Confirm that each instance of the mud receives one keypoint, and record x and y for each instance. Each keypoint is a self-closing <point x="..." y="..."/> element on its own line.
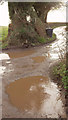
<point x="39" y="59"/>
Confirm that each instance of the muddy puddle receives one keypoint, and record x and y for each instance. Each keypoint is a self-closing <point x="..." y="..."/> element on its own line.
<point x="39" y="59"/>
<point x="18" y="54"/>
<point x="36" y="94"/>
<point x="27" y="92"/>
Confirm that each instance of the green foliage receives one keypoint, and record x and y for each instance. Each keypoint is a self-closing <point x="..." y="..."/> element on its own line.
<point x="4" y="45"/>
<point x="51" y="38"/>
<point x="27" y="33"/>
<point x="41" y="40"/>
<point x="61" y="72"/>
<point x="23" y="30"/>
<point x="3" y="36"/>
<point x="41" y="8"/>
<point x="19" y="7"/>
<point x="3" y="33"/>
<point x="47" y="39"/>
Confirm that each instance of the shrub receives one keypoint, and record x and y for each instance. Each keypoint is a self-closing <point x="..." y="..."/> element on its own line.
<point x="3" y="33"/>
<point x="3" y="36"/>
<point x="61" y="72"/>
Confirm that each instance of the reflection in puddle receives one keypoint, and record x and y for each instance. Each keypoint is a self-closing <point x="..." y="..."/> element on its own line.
<point x="4" y="56"/>
<point x="17" y="54"/>
<point x="2" y="69"/>
<point x="36" y="94"/>
<point x="8" y="62"/>
<point x="39" y="59"/>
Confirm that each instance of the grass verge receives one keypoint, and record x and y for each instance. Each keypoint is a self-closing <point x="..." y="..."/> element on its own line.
<point x="47" y="39"/>
<point x="3" y="37"/>
<point x="61" y="74"/>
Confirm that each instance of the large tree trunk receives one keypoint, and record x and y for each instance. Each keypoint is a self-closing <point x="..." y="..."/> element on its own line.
<point x="20" y="29"/>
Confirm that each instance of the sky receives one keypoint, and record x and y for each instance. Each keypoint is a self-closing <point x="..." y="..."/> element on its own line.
<point x="53" y="16"/>
<point x="58" y="15"/>
<point x="4" y="15"/>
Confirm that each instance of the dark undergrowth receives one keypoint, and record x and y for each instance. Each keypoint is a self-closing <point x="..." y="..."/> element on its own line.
<point x="4" y="43"/>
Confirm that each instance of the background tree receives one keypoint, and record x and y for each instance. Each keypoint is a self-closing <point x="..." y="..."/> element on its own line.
<point x="22" y="29"/>
<point x="42" y="9"/>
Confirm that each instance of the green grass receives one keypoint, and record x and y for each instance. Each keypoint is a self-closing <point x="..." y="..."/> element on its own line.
<point x="3" y="36"/>
<point x="41" y="40"/>
<point x="47" y="39"/>
<point x="61" y="73"/>
<point x="51" y="38"/>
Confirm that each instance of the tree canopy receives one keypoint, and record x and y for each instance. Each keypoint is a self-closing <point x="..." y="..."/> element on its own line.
<point x="41" y="8"/>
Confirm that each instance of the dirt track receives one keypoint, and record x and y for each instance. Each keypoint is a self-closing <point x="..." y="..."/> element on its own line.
<point x="30" y="66"/>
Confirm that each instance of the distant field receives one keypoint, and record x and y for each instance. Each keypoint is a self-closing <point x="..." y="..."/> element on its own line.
<point x="3" y="35"/>
<point x="3" y="32"/>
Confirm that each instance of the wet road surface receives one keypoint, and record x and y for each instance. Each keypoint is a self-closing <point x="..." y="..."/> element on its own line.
<point x="28" y="90"/>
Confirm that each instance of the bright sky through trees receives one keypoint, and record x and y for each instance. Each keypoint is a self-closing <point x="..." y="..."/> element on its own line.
<point x="58" y="15"/>
<point x="4" y="15"/>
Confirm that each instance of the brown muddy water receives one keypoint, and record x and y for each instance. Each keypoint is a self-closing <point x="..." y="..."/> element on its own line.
<point x="18" y="54"/>
<point x="36" y="94"/>
<point x="39" y="59"/>
<point x="27" y="93"/>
